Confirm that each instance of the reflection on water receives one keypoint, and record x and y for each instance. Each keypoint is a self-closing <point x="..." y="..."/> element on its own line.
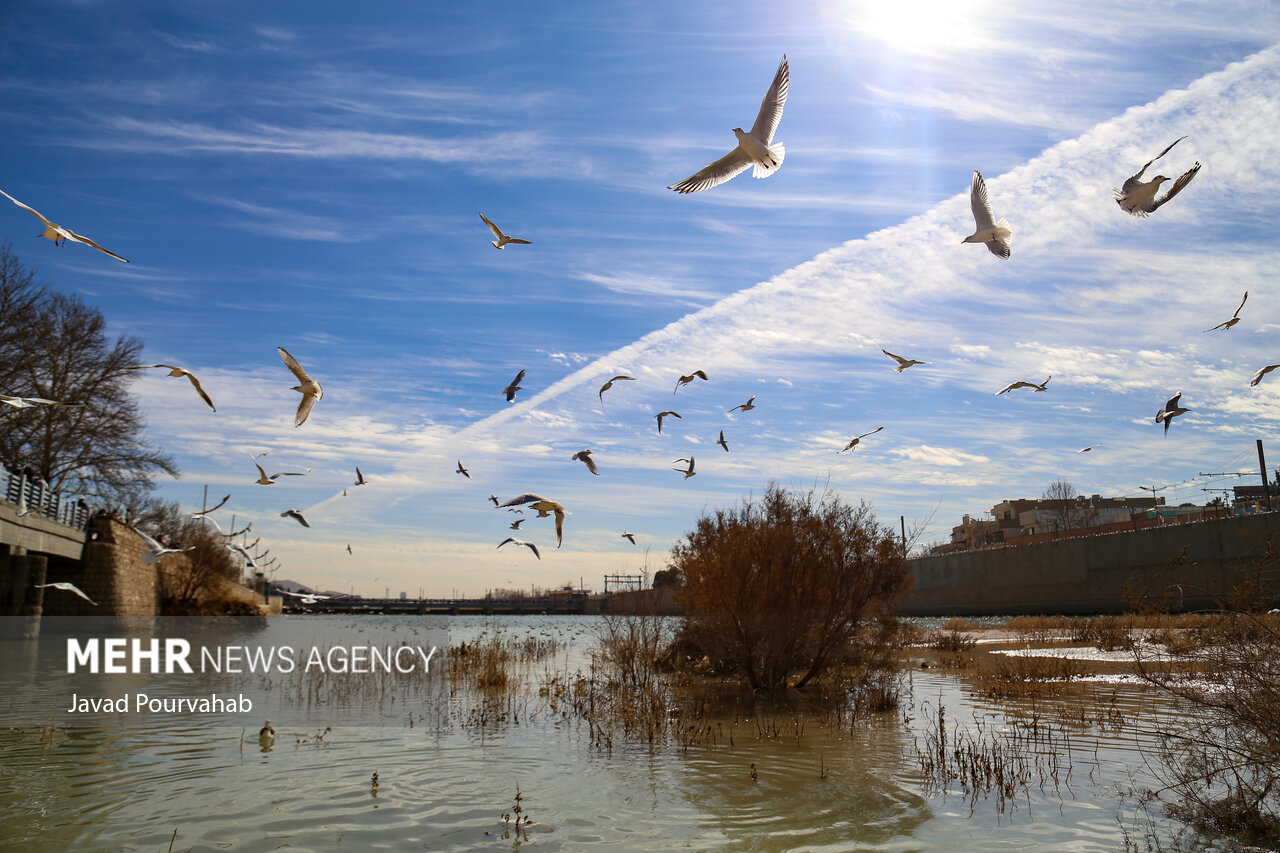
<point x="444" y="779"/>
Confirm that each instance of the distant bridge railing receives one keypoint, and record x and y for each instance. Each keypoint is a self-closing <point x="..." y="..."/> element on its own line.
<point x="41" y="500"/>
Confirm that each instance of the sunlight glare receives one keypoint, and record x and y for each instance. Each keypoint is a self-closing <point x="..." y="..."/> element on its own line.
<point x="921" y="26"/>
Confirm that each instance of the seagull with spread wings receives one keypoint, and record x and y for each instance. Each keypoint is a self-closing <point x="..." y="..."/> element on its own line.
<point x="66" y="587"/>
<point x="685" y="380"/>
<point x="265" y="479"/>
<point x="204" y="512"/>
<point x="1170" y="410"/>
<point x="511" y="389"/>
<point x="621" y="377"/>
<point x="307" y="387"/>
<point x="688" y="472"/>
<point x="662" y="415"/>
<point x="755" y="147"/>
<point x="747" y="406"/>
<point x="28" y="402"/>
<point x="903" y="363"/>
<point x="461" y="470"/>
<point x="360" y="480"/>
<point x="544" y="507"/>
<point x="1257" y="377"/>
<point x="1012" y="386"/>
<point x="502" y="239"/>
<point x="155" y="550"/>
<point x="1235" y="318"/>
<point x="58" y="234"/>
<point x="720" y="441"/>
<point x="996" y="236"/>
<point x="630" y="537"/>
<point x="1138" y="197"/>
<point x="181" y="371"/>
<point x="584" y="456"/>
<point x="513" y="540"/>
<point x="297" y="516"/>
<point x="853" y="442"/>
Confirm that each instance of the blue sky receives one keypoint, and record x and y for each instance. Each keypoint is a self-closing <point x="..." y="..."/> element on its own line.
<point x="309" y="176"/>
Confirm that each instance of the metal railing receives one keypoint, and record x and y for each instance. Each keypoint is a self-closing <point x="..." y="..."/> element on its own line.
<point x="43" y="501"/>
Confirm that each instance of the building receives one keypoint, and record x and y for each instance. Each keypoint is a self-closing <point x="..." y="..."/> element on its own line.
<point x="1012" y="519"/>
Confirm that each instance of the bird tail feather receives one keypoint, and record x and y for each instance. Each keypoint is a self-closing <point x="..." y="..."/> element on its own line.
<point x="777" y="152"/>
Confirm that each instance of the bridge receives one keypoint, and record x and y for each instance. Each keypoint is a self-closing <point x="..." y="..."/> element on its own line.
<point x="37" y="520"/>
<point x="446" y="606"/>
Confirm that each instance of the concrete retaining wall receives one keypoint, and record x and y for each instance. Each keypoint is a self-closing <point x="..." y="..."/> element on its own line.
<point x="1185" y="566"/>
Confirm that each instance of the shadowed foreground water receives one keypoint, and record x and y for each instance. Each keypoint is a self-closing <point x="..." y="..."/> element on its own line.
<point x="445" y="780"/>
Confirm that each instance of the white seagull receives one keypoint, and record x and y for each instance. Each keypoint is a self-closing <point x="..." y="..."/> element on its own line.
<point x="1235" y="318"/>
<point x="181" y="371"/>
<point x="57" y="233"/>
<point x="155" y="550"/>
<point x="307" y="387"/>
<point x="544" y="507"/>
<point x="584" y="456"/>
<point x="296" y="515"/>
<point x="903" y="363"/>
<point x="630" y="537"/>
<point x="1170" y="410"/>
<point x="265" y="479"/>
<point x="68" y="587"/>
<point x="1257" y="377"/>
<point x="747" y="406"/>
<point x="720" y="441"/>
<point x="1021" y="384"/>
<point x="28" y="402"/>
<point x="755" y="148"/>
<point x="688" y="472"/>
<point x="995" y="235"/>
<point x="515" y="541"/>
<point x="503" y="239"/>
<point x="1087" y="449"/>
<point x="463" y="471"/>
<point x="1138" y="197"/>
<point x="853" y="442"/>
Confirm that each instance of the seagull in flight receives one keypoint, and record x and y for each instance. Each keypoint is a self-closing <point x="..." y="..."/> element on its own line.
<point x="360" y="480"/>
<point x="853" y="442"/>
<point x="502" y="239"/>
<point x="510" y="390"/>
<point x="57" y="233"/>
<point x="265" y="479"/>
<point x="1257" y="377"/>
<point x="515" y="525"/>
<point x="720" y="441"/>
<point x="685" y="380"/>
<point x="606" y="386"/>
<point x="995" y="235"/>
<point x="544" y="507"/>
<point x="903" y="363"/>
<point x="1087" y="449"/>
<point x="28" y="402"/>
<point x="747" y="406"/>
<point x="205" y="512"/>
<point x="1138" y="197"/>
<point x="494" y="498"/>
<point x="307" y="387"/>
<point x="1235" y="318"/>
<point x="662" y="415"/>
<point x="68" y="587"/>
<point x="688" y="472"/>
<point x="155" y="550"/>
<point x="515" y="541"/>
<point x="630" y="537"/>
<point x="1020" y="384"/>
<point x="1170" y="410"/>
<point x="181" y="371"/>
<point x="463" y="471"/>
<point x="755" y="147"/>
<point x="296" y="515"/>
<point x="584" y="456"/>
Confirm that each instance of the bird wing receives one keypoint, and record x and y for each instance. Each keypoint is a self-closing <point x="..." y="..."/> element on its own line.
<point x="519" y="376"/>
<point x="80" y="238"/>
<point x="292" y="363"/>
<point x="713" y="174"/>
<point x="979" y="203"/>
<point x="589" y="462"/>
<point x="1182" y="181"/>
<point x="1173" y="402"/>
<point x="771" y="107"/>
<point x="305" y="405"/>
<point x="527" y="498"/>
<point x="195" y="383"/>
<point x="559" y="513"/>
<point x="29" y="209"/>
<point x="1241" y="305"/>
<point x="873" y="432"/>
<point x="533" y="548"/>
<point x="152" y="545"/>
<point x="1139" y="173"/>
<point x="497" y="232"/>
<point x="896" y="358"/>
<point x="1257" y="377"/>
<point x="212" y="508"/>
<point x="518" y="240"/>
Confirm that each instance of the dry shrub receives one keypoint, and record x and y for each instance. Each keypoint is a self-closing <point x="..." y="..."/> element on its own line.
<point x="1040" y="629"/>
<point x="950" y="641"/>
<point x="780" y="589"/>
<point x="1005" y="676"/>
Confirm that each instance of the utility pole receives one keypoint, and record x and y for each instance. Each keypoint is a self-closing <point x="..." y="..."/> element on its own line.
<point x="902" y="520"/>
<point x="1262" y="469"/>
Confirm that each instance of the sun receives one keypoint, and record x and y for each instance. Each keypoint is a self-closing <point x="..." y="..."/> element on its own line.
<point x="921" y="26"/>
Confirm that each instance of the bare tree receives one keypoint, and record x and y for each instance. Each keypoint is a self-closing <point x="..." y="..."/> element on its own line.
<point x="61" y="351"/>
<point x="19" y="296"/>
<point x="782" y="590"/>
<point x="1064" y="511"/>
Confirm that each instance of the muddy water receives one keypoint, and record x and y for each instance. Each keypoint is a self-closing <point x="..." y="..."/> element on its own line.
<point x="447" y="773"/>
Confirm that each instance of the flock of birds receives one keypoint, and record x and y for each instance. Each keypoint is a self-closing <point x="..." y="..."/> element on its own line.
<point x="755" y="149"/>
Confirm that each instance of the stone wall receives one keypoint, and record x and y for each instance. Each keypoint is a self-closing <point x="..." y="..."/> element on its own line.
<point x="1187" y="566"/>
<point x="127" y="590"/>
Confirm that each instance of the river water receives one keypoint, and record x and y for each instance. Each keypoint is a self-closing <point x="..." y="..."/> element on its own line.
<point x="450" y="766"/>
